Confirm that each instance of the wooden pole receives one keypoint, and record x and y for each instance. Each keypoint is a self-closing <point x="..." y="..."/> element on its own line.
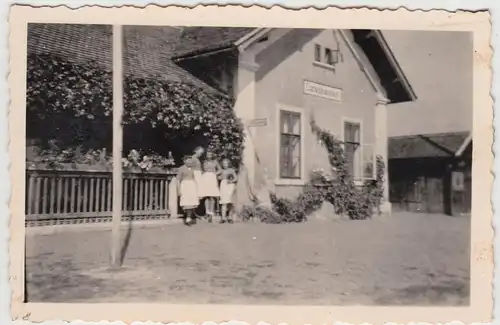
<point x="117" y="143"/>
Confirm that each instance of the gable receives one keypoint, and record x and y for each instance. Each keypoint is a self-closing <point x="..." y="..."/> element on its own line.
<point x="374" y="58"/>
<point x="291" y="54"/>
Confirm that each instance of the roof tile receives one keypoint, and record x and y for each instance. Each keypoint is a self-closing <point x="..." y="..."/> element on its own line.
<point x="204" y="39"/>
<point x="147" y="49"/>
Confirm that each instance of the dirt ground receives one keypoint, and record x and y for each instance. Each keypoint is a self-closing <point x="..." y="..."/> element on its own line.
<point x="406" y="259"/>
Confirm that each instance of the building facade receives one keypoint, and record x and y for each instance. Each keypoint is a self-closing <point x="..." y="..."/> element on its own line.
<point x="283" y="78"/>
<point x="280" y="80"/>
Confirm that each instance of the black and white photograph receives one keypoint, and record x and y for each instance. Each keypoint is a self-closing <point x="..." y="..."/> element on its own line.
<point x="230" y="165"/>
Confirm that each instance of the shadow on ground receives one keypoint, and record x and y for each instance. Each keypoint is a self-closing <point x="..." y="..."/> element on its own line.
<point x="62" y="282"/>
<point x="451" y="292"/>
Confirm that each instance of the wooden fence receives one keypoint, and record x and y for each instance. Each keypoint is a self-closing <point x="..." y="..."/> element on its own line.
<point x="70" y="196"/>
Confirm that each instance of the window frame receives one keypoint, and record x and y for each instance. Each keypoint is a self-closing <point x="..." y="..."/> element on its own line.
<point x="329" y="56"/>
<point x="359" y="161"/>
<point x="282" y="179"/>
<point x="325" y="57"/>
<point x="317" y="53"/>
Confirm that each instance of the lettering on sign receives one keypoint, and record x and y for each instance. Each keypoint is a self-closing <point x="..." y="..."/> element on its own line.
<point x="315" y="89"/>
<point x="257" y="122"/>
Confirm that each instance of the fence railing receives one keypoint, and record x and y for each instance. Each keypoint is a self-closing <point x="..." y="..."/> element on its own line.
<point x="87" y="195"/>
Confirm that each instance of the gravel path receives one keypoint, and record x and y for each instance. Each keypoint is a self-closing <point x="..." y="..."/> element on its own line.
<point x="408" y="259"/>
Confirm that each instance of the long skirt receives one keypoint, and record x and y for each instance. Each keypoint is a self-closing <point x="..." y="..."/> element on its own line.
<point x="209" y="186"/>
<point x="226" y="192"/>
<point x="198" y="180"/>
<point x="189" y="194"/>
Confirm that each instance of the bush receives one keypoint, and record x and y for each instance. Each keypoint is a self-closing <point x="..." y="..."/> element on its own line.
<point x="290" y="211"/>
<point x="311" y="199"/>
<point x="285" y="210"/>
<point x="263" y="214"/>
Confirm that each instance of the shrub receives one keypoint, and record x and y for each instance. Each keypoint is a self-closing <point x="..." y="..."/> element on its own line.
<point x="285" y="210"/>
<point x="310" y="200"/>
<point x="290" y="211"/>
<point x="260" y="213"/>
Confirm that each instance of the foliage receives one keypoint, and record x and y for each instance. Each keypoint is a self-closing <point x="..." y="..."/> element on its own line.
<point x="374" y="189"/>
<point x="290" y="211"/>
<point x="135" y="159"/>
<point x="336" y="187"/>
<point x="54" y="157"/>
<point x="73" y="103"/>
<point x="311" y="199"/>
<point x="341" y="190"/>
<point x="285" y="210"/>
<point x="260" y="213"/>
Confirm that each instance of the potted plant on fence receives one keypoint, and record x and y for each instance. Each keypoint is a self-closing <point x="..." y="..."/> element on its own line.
<point x="148" y="163"/>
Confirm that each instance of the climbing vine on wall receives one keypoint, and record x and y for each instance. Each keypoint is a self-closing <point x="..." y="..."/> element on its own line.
<point x="72" y="103"/>
<point x="339" y="189"/>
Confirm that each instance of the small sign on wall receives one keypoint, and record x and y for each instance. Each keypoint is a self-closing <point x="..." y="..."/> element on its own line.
<point x="457" y="181"/>
<point x="257" y="122"/>
<point x="323" y="91"/>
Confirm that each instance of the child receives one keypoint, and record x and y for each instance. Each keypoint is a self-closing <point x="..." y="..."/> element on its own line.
<point x="188" y="190"/>
<point x="209" y="187"/>
<point x="229" y="178"/>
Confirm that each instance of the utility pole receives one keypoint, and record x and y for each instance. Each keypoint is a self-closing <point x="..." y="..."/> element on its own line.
<point x="117" y="144"/>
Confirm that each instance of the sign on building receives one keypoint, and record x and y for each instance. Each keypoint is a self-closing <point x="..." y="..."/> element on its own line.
<point x="457" y="181"/>
<point x="257" y="122"/>
<point x="323" y="91"/>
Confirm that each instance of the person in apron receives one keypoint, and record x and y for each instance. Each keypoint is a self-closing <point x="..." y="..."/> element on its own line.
<point x="188" y="190"/>
<point x="198" y="152"/>
<point x="209" y="184"/>
<point x="228" y="180"/>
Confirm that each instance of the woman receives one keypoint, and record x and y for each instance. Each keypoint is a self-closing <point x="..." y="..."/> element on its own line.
<point x="198" y="152"/>
<point x="209" y="185"/>
<point x="188" y="190"/>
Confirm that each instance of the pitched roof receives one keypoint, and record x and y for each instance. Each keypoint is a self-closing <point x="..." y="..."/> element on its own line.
<point x="203" y="40"/>
<point x="206" y="39"/>
<point x="147" y="49"/>
<point x="385" y="65"/>
<point x="426" y="146"/>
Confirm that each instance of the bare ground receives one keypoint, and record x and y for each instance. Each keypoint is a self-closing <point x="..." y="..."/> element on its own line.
<point x="407" y="259"/>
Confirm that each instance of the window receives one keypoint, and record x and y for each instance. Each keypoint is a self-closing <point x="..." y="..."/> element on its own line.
<point x="351" y="145"/>
<point x="360" y="157"/>
<point x="317" y="53"/>
<point x="325" y="56"/>
<point x="368" y="164"/>
<point x="328" y="56"/>
<point x="290" y="149"/>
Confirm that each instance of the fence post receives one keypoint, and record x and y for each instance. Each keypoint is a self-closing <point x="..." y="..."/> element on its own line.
<point x="173" y="197"/>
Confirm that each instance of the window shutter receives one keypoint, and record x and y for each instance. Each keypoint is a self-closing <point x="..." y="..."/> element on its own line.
<point x="369" y="162"/>
<point x="317" y="53"/>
